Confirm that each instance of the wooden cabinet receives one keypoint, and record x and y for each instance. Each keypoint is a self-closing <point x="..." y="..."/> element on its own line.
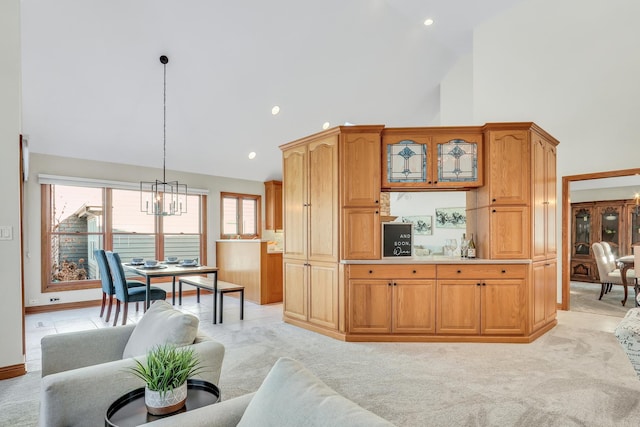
<point x="543" y="293"/>
<point x="428" y="158"/>
<point x="612" y="221"/>
<point x="273" y="205"/>
<point x="384" y="300"/>
<point x="360" y="192"/>
<point x="481" y="299"/>
<point x="250" y="264"/>
<point x="519" y="196"/>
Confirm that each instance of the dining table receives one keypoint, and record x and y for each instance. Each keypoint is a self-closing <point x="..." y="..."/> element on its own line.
<point x="173" y="270"/>
<point x="626" y="263"/>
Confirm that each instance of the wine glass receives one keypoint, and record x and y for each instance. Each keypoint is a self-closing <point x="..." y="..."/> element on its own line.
<point x="453" y="244"/>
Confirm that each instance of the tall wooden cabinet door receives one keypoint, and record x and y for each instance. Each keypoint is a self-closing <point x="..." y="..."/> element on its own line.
<point x="551" y="201"/>
<point x="508" y="166"/>
<point x="539" y="206"/>
<point x="273" y="205"/>
<point x="294" y="178"/>
<point x="414" y="306"/>
<point x="503" y="307"/>
<point x="538" y="296"/>
<point x="551" y="290"/>
<point x="323" y="200"/>
<point x="369" y="306"/>
<point x="509" y="232"/>
<point x="361" y="233"/>
<point x="323" y="295"/>
<point x="458" y="307"/>
<point x="295" y="289"/>
<point x="360" y="166"/>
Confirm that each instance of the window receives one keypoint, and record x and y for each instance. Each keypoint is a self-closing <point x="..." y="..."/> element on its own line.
<point x="239" y="216"/>
<point x="78" y="220"/>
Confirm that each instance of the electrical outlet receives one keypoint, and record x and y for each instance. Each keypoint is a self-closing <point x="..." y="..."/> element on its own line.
<point x="54" y="299"/>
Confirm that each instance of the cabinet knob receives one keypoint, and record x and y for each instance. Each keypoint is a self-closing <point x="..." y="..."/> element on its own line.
<point x="428" y="182"/>
<point x="493" y="211"/>
<point x="377" y="201"/>
<point x="484" y="284"/>
<point x="389" y="284"/>
<point x="493" y="200"/>
<point x="376" y="212"/>
<point x="414" y="272"/>
<point x="435" y="182"/>
<point x="477" y="284"/>
<point x="459" y="271"/>
<point x="370" y="271"/>
<point x="504" y="271"/>
<point x="394" y="284"/>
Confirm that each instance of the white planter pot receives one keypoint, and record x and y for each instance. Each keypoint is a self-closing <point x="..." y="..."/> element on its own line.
<point x="165" y="403"/>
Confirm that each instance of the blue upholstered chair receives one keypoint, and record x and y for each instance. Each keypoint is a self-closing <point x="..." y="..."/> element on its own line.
<point x="126" y="294"/>
<point x="108" y="289"/>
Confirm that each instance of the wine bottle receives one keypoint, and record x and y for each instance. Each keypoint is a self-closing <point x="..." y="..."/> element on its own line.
<point x="464" y="246"/>
<point x="471" y="252"/>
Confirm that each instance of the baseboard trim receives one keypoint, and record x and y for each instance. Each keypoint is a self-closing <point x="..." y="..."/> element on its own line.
<point x="12" y="371"/>
<point x="84" y="304"/>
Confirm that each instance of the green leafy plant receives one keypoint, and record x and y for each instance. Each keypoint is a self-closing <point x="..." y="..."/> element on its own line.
<point x="167" y="367"/>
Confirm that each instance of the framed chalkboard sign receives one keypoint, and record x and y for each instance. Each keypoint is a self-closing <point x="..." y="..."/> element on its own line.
<point x="397" y="239"/>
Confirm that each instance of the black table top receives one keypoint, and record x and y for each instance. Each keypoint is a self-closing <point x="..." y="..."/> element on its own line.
<point x="130" y="410"/>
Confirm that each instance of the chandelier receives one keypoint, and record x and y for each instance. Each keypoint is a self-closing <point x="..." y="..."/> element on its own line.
<point x="164" y="197"/>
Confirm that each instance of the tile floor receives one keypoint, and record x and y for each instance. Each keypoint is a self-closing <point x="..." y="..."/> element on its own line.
<point x="55" y="322"/>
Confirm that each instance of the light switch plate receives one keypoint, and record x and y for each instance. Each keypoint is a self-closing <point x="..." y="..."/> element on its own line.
<point x="6" y="232"/>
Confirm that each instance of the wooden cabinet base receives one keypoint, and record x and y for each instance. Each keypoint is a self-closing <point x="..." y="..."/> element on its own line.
<point x="422" y="338"/>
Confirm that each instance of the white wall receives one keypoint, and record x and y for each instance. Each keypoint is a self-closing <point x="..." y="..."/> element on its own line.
<point x="426" y="203"/>
<point x="53" y="165"/>
<point x="11" y="308"/>
<point x="456" y="89"/>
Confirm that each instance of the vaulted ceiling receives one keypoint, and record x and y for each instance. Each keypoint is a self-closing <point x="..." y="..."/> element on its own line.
<point x="93" y="82"/>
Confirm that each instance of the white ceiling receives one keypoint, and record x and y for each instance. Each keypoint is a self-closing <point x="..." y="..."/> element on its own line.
<point x="93" y="82"/>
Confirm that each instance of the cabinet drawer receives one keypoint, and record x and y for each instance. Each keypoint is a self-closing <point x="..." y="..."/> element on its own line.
<point x="386" y="271"/>
<point x="482" y="271"/>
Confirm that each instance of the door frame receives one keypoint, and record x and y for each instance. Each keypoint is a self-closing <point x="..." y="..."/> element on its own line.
<point x="566" y="223"/>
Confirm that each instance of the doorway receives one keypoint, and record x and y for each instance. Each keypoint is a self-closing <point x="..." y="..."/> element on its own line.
<point x="566" y="223"/>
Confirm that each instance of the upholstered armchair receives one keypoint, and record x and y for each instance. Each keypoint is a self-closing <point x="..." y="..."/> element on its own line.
<point x="84" y="372"/>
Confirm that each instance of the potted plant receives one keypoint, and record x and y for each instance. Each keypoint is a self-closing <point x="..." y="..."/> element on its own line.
<point x="165" y="374"/>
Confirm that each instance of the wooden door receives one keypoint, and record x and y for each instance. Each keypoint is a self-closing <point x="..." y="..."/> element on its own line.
<point x="414" y="306"/>
<point x="360" y="169"/>
<point x="503" y="307"/>
<point x="361" y="233"/>
<point x="539" y="199"/>
<point x="294" y="176"/>
<point x="369" y="306"/>
<point x="509" y="232"/>
<point x="323" y="295"/>
<point x="458" y="306"/>
<point x="508" y="167"/>
<point x="538" y="296"/>
<point x="295" y="289"/>
<point x="551" y="201"/>
<point x="551" y="290"/>
<point x="322" y="203"/>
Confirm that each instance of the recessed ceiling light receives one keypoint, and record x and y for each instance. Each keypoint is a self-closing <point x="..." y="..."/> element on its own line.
<point x="252" y="155"/>
<point x="326" y="125"/>
<point x="428" y="22"/>
<point x="275" y="110"/>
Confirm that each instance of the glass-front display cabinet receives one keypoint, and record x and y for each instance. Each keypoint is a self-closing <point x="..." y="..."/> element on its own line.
<point x="583" y="267"/>
<point x="610" y="226"/>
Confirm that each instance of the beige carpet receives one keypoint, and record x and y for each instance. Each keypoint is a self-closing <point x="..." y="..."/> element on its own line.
<point x="584" y="298"/>
<point x="572" y="376"/>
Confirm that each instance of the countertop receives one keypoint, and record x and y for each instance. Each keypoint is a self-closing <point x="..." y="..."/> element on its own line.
<point x="434" y="259"/>
<point x="269" y="251"/>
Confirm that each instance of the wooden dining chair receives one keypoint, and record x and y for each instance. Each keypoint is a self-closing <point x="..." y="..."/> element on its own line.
<point x="126" y="294"/>
<point x="108" y="289"/>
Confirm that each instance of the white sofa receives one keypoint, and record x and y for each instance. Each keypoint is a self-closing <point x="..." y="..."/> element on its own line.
<point x="84" y="372"/>
<point x="290" y="396"/>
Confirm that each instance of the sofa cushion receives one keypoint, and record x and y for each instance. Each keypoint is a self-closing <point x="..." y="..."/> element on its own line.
<point x="161" y="324"/>
<point x="292" y="396"/>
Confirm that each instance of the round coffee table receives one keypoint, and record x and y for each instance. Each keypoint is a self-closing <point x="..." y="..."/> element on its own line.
<point x="130" y="410"/>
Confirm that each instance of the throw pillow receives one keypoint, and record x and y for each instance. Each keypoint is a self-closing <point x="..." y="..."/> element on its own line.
<point x="161" y="324"/>
<point x="291" y="396"/>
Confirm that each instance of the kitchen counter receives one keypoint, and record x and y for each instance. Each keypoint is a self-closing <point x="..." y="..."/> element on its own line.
<point x="434" y="259"/>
